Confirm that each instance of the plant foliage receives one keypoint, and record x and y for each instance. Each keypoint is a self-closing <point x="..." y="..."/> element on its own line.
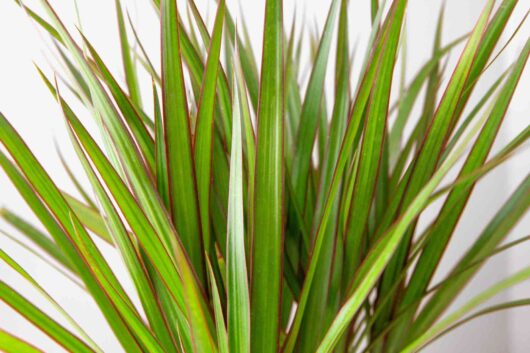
<point x="254" y="213"/>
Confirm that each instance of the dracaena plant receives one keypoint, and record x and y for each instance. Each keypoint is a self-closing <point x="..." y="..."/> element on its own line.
<point x="252" y="212"/>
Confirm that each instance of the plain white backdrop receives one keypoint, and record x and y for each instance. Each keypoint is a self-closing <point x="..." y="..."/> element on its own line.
<point x="33" y="112"/>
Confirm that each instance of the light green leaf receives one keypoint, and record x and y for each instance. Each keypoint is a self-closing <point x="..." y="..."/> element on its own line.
<point x="13" y="344"/>
<point x="238" y="289"/>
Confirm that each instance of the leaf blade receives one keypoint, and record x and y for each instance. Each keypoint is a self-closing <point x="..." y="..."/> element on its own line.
<point x="268" y="217"/>
<point x="182" y="182"/>
<point x="205" y="123"/>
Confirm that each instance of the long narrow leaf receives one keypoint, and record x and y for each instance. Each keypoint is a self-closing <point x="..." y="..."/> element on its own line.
<point x="205" y="123"/>
<point x="182" y="183"/>
<point x="238" y="289"/>
<point x="268" y="216"/>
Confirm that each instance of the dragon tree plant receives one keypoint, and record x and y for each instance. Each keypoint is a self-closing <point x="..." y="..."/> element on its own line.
<point x="252" y="211"/>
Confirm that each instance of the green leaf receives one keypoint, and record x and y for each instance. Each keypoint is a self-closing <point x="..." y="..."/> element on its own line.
<point x="381" y="253"/>
<point x="42" y="321"/>
<point x="434" y="83"/>
<point x="203" y="30"/>
<point x="79" y="85"/>
<point x="133" y="259"/>
<point x="129" y="111"/>
<point x="122" y="304"/>
<point x="182" y="183"/>
<point x="310" y="110"/>
<point x="251" y="239"/>
<point x="389" y="295"/>
<point x="15" y="266"/>
<point x="67" y="240"/>
<point x="497" y="229"/>
<point x="340" y="110"/>
<point x="146" y="61"/>
<point x="249" y="144"/>
<point x="371" y="149"/>
<point x="374" y="6"/>
<point x="160" y="151"/>
<point x="191" y="54"/>
<point x="473" y="113"/>
<point x="313" y="327"/>
<point x="351" y="135"/>
<point x="137" y="270"/>
<point x="203" y="143"/>
<point x="222" y="335"/>
<point x="457" y="199"/>
<point x="90" y="217"/>
<point x="406" y="103"/>
<point x="169" y="265"/>
<point x="246" y="55"/>
<point x="32" y="233"/>
<point x="268" y="214"/>
<point x="77" y="184"/>
<point x="128" y="64"/>
<point x="487" y="294"/>
<point x="117" y="137"/>
<point x="41" y="22"/>
<point x="238" y="290"/>
<point x="66" y="273"/>
<point x="293" y="104"/>
<point x="13" y="344"/>
<point x="426" y="159"/>
<point x="488" y="43"/>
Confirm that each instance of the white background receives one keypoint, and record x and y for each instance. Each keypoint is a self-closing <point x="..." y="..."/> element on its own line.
<point x="25" y="101"/>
